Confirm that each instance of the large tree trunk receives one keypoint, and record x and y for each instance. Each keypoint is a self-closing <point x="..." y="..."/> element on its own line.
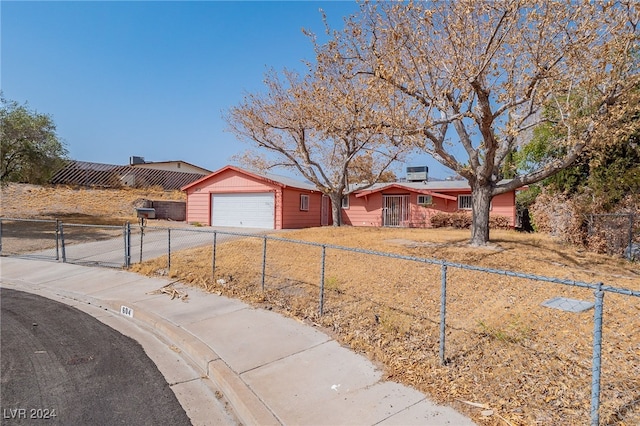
<point x="336" y="208"/>
<point x="481" y="197"/>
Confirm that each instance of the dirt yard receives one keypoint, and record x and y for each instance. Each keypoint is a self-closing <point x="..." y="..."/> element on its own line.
<point x="78" y="205"/>
<point x="71" y="205"/>
<point x="510" y="361"/>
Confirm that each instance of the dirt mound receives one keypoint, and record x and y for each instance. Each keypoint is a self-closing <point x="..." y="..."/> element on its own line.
<point x="84" y="204"/>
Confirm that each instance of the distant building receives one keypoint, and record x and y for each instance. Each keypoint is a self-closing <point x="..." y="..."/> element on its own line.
<point x="171" y="166"/>
<point x="169" y="175"/>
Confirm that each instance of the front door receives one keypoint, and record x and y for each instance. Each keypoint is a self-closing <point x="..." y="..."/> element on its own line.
<point x="395" y="210"/>
<point x="324" y="211"/>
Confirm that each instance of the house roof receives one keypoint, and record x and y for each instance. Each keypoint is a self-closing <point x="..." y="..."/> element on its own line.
<point x="141" y="165"/>
<point x="279" y="180"/>
<point x="429" y="188"/>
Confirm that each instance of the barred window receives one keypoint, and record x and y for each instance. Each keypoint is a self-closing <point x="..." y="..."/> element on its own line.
<point x="464" y="202"/>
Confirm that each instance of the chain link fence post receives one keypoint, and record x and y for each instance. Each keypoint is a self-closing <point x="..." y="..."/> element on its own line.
<point x="0" y="236"/>
<point x="321" y="307"/>
<point x="597" y="356"/>
<point x="127" y="245"/>
<point x="443" y="311"/>
<point x="57" y="239"/>
<point x="213" y="257"/>
<point x="64" y="253"/>
<point x="168" y="250"/>
<point x="142" y="224"/>
<point x="264" y="260"/>
<point x="124" y="240"/>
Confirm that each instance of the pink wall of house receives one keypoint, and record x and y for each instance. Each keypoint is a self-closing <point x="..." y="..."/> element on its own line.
<point x="421" y="216"/>
<point x="368" y="210"/>
<point x="228" y="181"/>
<point x="505" y="205"/>
<point x="292" y="216"/>
<point x="198" y="207"/>
<point x="364" y="210"/>
<point x="288" y="214"/>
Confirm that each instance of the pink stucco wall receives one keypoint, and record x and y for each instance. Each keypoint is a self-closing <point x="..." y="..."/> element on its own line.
<point x="363" y="211"/>
<point x="287" y="199"/>
<point x="225" y="182"/>
<point x="368" y="210"/>
<point x="292" y="216"/>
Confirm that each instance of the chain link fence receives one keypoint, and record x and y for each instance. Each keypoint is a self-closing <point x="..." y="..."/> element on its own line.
<point x="561" y="351"/>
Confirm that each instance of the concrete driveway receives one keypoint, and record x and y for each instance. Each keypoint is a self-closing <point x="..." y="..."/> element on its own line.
<point x="153" y="242"/>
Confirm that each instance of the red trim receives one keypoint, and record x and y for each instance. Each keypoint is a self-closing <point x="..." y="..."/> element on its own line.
<point x="446" y="197"/>
<point x="431" y="192"/>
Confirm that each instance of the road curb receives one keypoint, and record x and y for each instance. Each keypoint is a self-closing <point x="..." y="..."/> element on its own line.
<point x="246" y="405"/>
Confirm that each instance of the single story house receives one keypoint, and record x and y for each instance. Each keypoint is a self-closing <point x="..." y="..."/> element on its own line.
<point x="235" y="197"/>
<point x="412" y="204"/>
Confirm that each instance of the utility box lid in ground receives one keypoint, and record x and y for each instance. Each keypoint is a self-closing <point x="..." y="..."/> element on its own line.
<point x="569" y="305"/>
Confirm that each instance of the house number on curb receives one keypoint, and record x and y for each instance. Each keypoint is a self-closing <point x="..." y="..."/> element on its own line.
<point x="126" y="311"/>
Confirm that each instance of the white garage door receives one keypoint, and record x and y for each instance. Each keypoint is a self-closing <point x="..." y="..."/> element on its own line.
<point x="253" y="210"/>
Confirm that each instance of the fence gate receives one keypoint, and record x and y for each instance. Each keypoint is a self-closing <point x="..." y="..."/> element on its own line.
<point x="395" y="212"/>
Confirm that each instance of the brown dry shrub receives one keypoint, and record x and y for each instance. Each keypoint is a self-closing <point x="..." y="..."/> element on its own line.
<point x="456" y="220"/>
<point x="440" y="220"/>
<point x="576" y="220"/>
<point x="559" y="216"/>
<point x="597" y="243"/>
<point x="461" y="220"/>
<point x="499" y="222"/>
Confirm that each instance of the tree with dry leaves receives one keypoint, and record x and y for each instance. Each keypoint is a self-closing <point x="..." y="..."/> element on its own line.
<point x="361" y="170"/>
<point x="324" y="125"/>
<point x="475" y="77"/>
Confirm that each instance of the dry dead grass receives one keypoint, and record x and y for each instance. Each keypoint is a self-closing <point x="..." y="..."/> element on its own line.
<point x="78" y="205"/>
<point x="528" y="364"/>
<point x="70" y="205"/>
<point x="525" y="364"/>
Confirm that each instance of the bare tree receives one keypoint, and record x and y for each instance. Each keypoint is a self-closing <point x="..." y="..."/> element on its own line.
<point x="323" y="126"/>
<point x="476" y="76"/>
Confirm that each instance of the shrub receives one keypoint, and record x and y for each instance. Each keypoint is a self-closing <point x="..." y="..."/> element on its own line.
<point x="499" y="222"/>
<point x="440" y="220"/>
<point x="461" y="220"/>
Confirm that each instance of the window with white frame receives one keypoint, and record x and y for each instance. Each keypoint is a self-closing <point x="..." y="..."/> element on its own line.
<point x="425" y="200"/>
<point x="464" y="202"/>
<point x="304" y="202"/>
<point x="345" y="202"/>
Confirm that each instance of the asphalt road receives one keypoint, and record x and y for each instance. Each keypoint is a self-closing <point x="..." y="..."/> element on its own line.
<point x="62" y="366"/>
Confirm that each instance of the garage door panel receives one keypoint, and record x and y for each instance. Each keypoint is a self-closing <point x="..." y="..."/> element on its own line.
<point x="251" y="210"/>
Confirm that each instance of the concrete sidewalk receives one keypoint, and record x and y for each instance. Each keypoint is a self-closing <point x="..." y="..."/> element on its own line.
<point x="272" y="369"/>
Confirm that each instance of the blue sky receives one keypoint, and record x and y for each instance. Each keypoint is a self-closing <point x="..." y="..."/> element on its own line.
<point x="153" y="79"/>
